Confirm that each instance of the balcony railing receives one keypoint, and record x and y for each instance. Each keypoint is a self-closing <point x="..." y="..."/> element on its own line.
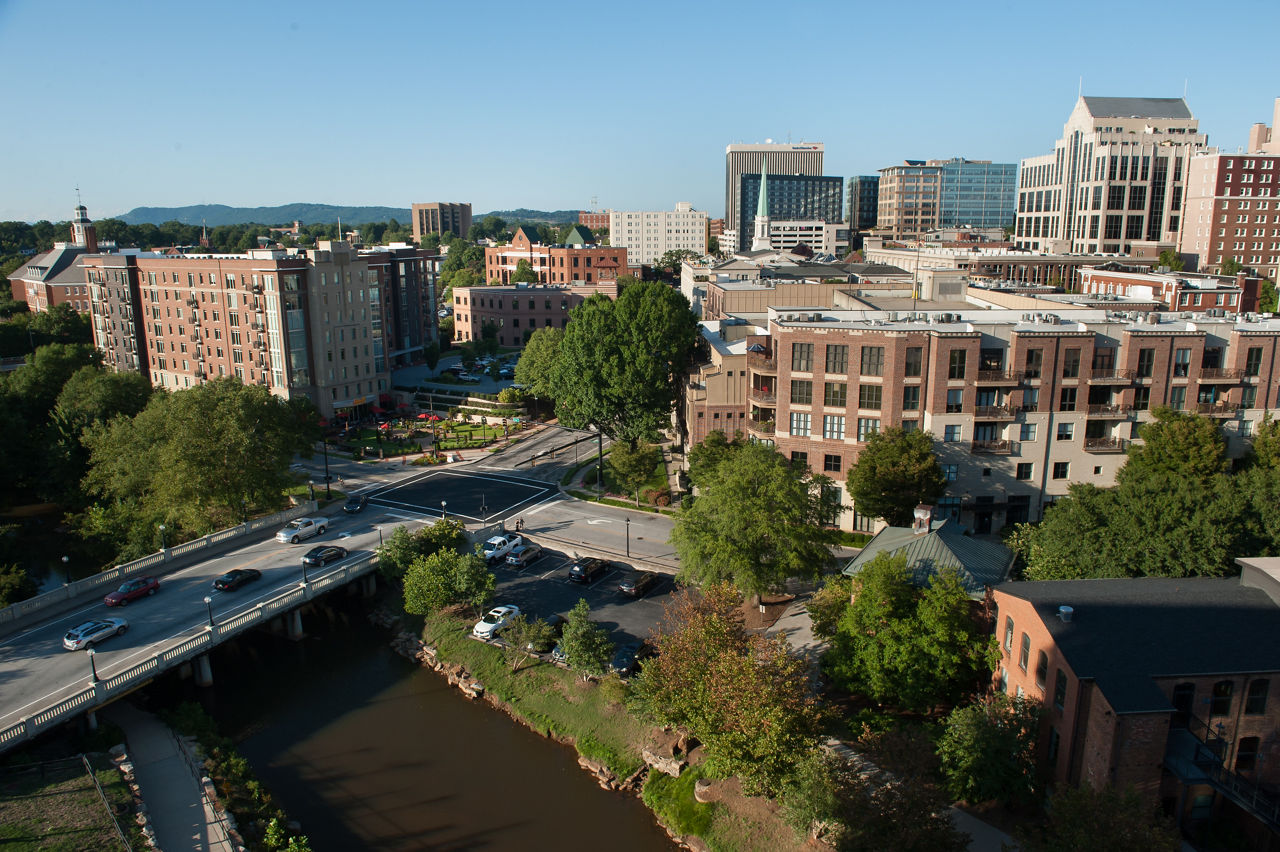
<point x="1105" y="445"/>
<point x="758" y="361"/>
<point x="764" y="396"/>
<point x="997" y="447"/>
<point x="193" y="337"/>
<point x="1109" y="376"/>
<point x="1217" y="409"/>
<point x="764" y="427"/>
<point x="1110" y="410"/>
<point x="993" y="412"/>
<point x="1221" y="374"/>
<point x="999" y="377"/>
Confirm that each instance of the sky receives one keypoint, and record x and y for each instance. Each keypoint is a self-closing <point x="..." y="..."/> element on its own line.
<point x="549" y="105"/>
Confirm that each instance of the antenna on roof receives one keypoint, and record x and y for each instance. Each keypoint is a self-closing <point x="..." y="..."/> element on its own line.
<point x="1080" y="87"/>
<point x="78" y="204"/>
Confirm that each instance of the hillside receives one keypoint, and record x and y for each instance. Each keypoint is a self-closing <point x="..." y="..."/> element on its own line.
<point x="524" y="214"/>
<point x="220" y="214"/>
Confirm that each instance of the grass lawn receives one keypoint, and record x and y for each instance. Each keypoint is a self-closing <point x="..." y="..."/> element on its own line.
<point x="55" y="805"/>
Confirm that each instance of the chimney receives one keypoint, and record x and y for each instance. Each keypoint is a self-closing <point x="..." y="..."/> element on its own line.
<point x="923" y="521"/>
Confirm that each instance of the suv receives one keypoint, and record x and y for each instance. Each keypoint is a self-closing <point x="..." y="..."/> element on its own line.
<point x="523" y="555"/>
<point x="588" y="570"/>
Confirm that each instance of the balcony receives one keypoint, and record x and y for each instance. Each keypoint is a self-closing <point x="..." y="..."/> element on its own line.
<point x="192" y="301"/>
<point x="993" y="412"/>
<point x="194" y="337"/>
<point x="999" y="377"/>
<point x="997" y="447"/>
<point x="760" y="427"/>
<point x="1110" y="376"/>
<point x="1217" y="409"/>
<point x="1221" y="374"/>
<point x="1194" y="754"/>
<point x="257" y="326"/>
<point x="1110" y="410"/>
<point x="762" y="396"/>
<point x="1105" y="445"/>
<point x="761" y="363"/>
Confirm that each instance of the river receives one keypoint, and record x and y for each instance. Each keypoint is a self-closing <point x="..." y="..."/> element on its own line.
<point x="370" y="751"/>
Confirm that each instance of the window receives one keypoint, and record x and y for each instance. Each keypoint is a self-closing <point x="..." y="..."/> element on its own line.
<point x="955" y="369"/>
<point x="1071" y="364"/>
<point x="1248" y="396"/>
<point x="911" y="398"/>
<point x="1042" y="669"/>
<point x="1024" y="471"/>
<point x="914" y="362"/>
<point x="799" y="459"/>
<point x="1061" y="470"/>
<point x="802" y="357"/>
<point x="869" y="397"/>
<point x="872" y="360"/>
<point x="1142" y="398"/>
<point x="835" y="394"/>
<point x="1055" y="744"/>
<point x="1146" y="363"/>
<point x="800" y="424"/>
<point x="1066" y="431"/>
<point x="1181" y="363"/>
<point x="801" y="392"/>
<point x="867" y="426"/>
<point x="1220" y="705"/>
<point x="951" y="472"/>
<point x="1067" y="402"/>
<point x="1255" y="703"/>
<point x="1035" y="362"/>
<point x="1060" y="690"/>
<point x="951" y="434"/>
<point x="1247" y="754"/>
<point x="1031" y="399"/>
<point x="955" y="401"/>
<point x="1253" y="361"/>
<point x="830" y="463"/>
<point x="1008" y="633"/>
<point x="838" y="359"/>
<point x="1025" y="654"/>
<point x="1028" y="432"/>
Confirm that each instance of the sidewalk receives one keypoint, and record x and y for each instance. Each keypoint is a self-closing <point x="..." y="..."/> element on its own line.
<point x="179" y="813"/>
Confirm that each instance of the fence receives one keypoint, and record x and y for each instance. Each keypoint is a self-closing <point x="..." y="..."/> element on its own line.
<point x="184" y="648"/>
<point x="24" y="612"/>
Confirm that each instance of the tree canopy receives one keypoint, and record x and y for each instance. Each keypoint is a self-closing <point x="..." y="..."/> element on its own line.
<point x="1082" y="818"/>
<point x="538" y="360"/>
<point x="447" y="578"/>
<point x="755" y="523"/>
<point x="987" y="750"/>
<point x="586" y="645"/>
<point x="895" y="472"/>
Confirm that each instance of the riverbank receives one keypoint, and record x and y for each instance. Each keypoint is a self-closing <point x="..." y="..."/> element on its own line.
<point x="613" y="743"/>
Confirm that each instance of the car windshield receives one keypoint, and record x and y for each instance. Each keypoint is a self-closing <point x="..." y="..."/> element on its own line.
<point x="294" y="525"/>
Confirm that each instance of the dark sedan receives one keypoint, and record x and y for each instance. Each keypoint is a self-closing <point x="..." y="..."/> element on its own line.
<point x="627" y="659"/>
<point x="638" y="585"/>
<point x="131" y="590"/>
<point x="355" y="503"/>
<point x="233" y="580"/>
<point x="318" y="557"/>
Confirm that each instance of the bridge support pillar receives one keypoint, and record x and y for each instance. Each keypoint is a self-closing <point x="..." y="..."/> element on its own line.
<point x="92" y="718"/>
<point x="369" y="585"/>
<point x="204" y="671"/>
<point x="293" y="622"/>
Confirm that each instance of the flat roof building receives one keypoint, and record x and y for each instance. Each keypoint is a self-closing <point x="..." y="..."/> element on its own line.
<point x="648" y="234"/>
<point x="440" y="217"/>
<point x="556" y="264"/>
<point x="802" y="158"/>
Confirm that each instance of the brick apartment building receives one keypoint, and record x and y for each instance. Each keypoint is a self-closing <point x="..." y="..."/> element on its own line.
<point x="406" y="281"/>
<point x="520" y="309"/>
<point x="1177" y="291"/>
<point x="1163" y="684"/>
<point x="1022" y="401"/>
<point x="596" y="221"/>
<point x="567" y="264"/>
<point x="56" y="277"/>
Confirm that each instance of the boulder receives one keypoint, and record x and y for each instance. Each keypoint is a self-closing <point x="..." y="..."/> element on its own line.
<point x="672" y="766"/>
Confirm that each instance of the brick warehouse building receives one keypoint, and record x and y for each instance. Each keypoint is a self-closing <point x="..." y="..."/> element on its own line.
<point x="520" y="309"/>
<point x="1163" y="684"/>
<point x="1021" y="403"/>
<point x="570" y="264"/>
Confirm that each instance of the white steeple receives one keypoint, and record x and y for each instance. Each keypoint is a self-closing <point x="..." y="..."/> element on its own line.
<point x="760" y="239"/>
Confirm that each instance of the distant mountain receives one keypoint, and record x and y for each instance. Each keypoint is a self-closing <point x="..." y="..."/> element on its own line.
<point x="523" y="214"/>
<point x="285" y="214"/>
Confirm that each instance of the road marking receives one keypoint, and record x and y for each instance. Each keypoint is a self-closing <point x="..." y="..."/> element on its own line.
<point x="594" y="521"/>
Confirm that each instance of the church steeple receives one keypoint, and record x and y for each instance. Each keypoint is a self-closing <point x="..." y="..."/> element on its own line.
<point x="83" y="233"/>
<point x="760" y="239"/>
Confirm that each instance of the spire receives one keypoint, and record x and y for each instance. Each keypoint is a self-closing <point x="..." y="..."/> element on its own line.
<point x="760" y="240"/>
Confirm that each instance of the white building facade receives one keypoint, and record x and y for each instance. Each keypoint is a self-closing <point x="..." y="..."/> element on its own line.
<point x="648" y="235"/>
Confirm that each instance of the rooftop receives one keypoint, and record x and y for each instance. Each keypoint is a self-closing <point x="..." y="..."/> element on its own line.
<point x="979" y="563"/>
<point x="1137" y="107"/>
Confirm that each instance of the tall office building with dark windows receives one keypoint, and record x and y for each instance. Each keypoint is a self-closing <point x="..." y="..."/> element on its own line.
<point x="800" y="158"/>
<point x="976" y="193"/>
<point x="863" y="200"/>
<point x="792" y="198"/>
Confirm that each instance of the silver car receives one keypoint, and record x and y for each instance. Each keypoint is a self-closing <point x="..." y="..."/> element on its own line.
<point x="92" y="632"/>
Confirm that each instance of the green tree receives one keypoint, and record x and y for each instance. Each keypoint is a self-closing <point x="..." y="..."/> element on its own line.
<point x="403" y="547"/>
<point x="15" y="585"/>
<point x="1051" y="549"/>
<point x="524" y="273"/>
<point x="538" y="360"/>
<point x="713" y="245"/>
<point x="1081" y="819"/>
<point x="828" y="604"/>
<point x="895" y="472"/>
<point x="706" y="456"/>
<point x="524" y="637"/>
<point x="632" y="466"/>
<point x="447" y="578"/>
<point x="987" y="751"/>
<point x="1171" y="259"/>
<point x="431" y="354"/>
<point x="586" y="644"/>
<point x="755" y="523"/>
<point x="1178" y="444"/>
<point x="1230" y="266"/>
<point x="1268" y="300"/>
<point x="669" y="264"/>
<point x="621" y="362"/>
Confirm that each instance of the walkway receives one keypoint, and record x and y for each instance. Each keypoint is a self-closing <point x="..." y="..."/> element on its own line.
<point x="179" y="812"/>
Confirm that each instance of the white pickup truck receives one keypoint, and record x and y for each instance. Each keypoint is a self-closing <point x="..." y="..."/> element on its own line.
<point x="499" y="546"/>
<point x="300" y="528"/>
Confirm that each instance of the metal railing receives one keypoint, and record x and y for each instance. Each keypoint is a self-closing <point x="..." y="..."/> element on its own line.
<point x="198" y="641"/>
<point x="23" y="611"/>
<point x="1105" y="445"/>
<point x="992" y="412"/>
<point x="1110" y="409"/>
<point x="1220" y="373"/>
<point x="760" y="362"/>
<point x="1002" y="377"/>
<point x="1217" y="409"/>
<point x="998" y="446"/>
<point x="760" y="395"/>
<point x="1110" y="374"/>
<point x="764" y="427"/>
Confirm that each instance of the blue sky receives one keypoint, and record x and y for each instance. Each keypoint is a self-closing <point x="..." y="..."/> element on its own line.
<point x="546" y="105"/>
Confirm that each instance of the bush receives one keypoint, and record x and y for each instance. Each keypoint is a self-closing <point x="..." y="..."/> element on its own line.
<point x="672" y="800"/>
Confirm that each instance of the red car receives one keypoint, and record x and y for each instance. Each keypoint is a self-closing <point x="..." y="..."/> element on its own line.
<point x="139" y="587"/>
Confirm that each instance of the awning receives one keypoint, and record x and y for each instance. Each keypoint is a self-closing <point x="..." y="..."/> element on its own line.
<point x="377" y="409"/>
<point x="424" y="416"/>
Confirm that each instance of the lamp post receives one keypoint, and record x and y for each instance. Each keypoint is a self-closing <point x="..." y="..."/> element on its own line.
<point x="208" y="605"/>
<point x="327" y="493"/>
<point x="628" y="520"/>
<point x="444" y="510"/>
<point x="93" y="667"/>
<point x="244" y="510"/>
<point x="379" y="529"/>
<point x="484" y="508"/>
<point x="162" y="536"/>
<point x="66" y="568"/>
<point x="305" y="579"/>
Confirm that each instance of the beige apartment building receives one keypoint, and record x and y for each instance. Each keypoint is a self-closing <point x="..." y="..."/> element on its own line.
<point x="649" y="234"/>
<point x="440" y="217"/>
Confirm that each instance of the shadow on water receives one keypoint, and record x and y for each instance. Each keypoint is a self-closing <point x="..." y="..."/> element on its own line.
<point x="369" y="751"/>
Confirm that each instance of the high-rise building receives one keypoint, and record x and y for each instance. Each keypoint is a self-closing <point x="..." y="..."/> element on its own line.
<point x="923" y="195"/>
<point x="1116" y="177"/>
<point x="1230" y="197"/>
<point x="441" y="217"/>
<point x="648" y="235"/>
<point x="860" y="208"/>
<point x="790" y="197"/>
<point x="802" y="158"/>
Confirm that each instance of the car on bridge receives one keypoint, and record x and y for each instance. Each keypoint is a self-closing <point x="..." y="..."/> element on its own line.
<point x="300" y="528"/>
<point x="236" y="578"/>
<point x="131" y="590"/>
<point x="92" y="632"/>
<point x="494" y="620"/>
<point x="318" y="557"/>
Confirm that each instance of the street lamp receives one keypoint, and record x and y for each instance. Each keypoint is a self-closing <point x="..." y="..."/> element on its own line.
<point x="162" y="536"/>
<point x="305" y="579"/>
<point x="93" y="667"/>
<point x="66" y="568"/>
<point x="628" y="520"/>
<point x="484" y="508"/>
<point x="444" y="512"/>
<point x="327" y="493"/>
<point x="379" y="529"/>
<point x="208" y="605"/>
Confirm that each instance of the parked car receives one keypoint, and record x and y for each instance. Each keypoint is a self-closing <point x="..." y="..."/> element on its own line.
<point x="131" y="590"/>
<point x="638" y="584"/>
<point x="92" y="632"/>
<point x="587" y="570"/>
<point x="558" y="655"/>
<point x="523" y="555"/>
<point x="556" y="623"/>
<point x="499" y="546"/>
<point x="236" y="578"/>
<point x="494" y="620"/>
<point x="355" y="503"/>
<point x="300" y="528"/>
<point x="468" y="377"/>
<point x="318" y="557"/>
<point x="626" y="660"/>
<point x="507" y="373"/>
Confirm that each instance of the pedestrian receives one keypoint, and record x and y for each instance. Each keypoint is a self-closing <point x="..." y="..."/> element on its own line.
<point x="519" y="524"/>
